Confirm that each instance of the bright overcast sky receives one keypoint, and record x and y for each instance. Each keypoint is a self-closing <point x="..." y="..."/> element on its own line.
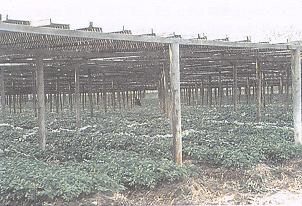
<point x="277" y="20"/>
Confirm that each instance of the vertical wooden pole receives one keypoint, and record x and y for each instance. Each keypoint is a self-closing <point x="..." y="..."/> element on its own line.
<point x="57" y="95"/>
<point x="90" y="92"/>
<point x="166" y="91"/>
<point x="105" y="99"/>
<point x="235" y="87"/>
<point x="220" y="90"/>
<point x="34" y="92"/>
<point x="296" y="91"/>
<point x="197" y="89"/>
<point x="10" y="103"/>
<point x="83" y="97"/>
<point x="77" y="100"/>
<point x="248" y="91"/>
<point x="119" y="99"/>
<point x="264" y="83"/>
<point x="70" y="96"/>
<point x="287" y="89"/>
<point x="202" y="93"/>
<point x="50" y="101"/>
<point x="210" y="89"/>
<point x="20" y="102"/>
<point x="271" y="94"/>
<point x="61" y="100"/>
<point x="14" y="97"/>
<point x="41" y="103"/>
<point x="281" y="89"/>
<point x="123" y="99"/>
<point x="2" y="92"/>
<point x="258" y="91"/>
<point x="98" y="100"/>
<point x="127" y="98"/>
<point x="175" y="102"/>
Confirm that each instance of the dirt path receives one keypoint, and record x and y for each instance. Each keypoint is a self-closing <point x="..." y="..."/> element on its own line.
<point x="282" y="197"/>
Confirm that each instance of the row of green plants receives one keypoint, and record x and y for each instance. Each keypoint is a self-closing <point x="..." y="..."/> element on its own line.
<point x="117" y="151"/>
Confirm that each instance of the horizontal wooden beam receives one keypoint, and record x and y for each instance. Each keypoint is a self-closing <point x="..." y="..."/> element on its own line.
<point x="5" y="27"/>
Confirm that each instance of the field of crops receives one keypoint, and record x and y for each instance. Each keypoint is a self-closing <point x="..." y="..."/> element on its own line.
<point x="116" y="151"/>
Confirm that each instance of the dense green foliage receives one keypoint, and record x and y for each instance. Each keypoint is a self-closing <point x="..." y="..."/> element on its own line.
<point x="132" y="149"/>
<point x="31" y="180"/>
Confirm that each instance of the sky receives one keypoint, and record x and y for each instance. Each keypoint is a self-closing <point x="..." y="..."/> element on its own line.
<point x="262" y="20"/>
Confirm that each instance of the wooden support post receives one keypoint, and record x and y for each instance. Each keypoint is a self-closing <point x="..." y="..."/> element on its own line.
<point x="166" y="91"/>
<point x="239" y="94"/>
<point x="281" y="87"/>
<point x="77" y="100"/>
<point x="119" y="99"/>
<point x="20" y="102"/>
<point x="159" y="91"/>
<point x="90" y="92"/>
<point x="197" y="102"/>
<point x="248" y="91"/>
<point x="10" y="103"/>
<point x="57" y="95"/>
<point x="70" y="96"/>
<point x="34" y="93"/>
<point x="189" y="95"/>
<point x="83" y="97"/>
<point x="2" y="92"/>
<point x="41" y="103"/>
<point x="175" y="102"/>
<point x="235" y="87"/>
<point x="264" y="83"/>
<point x="50" y="101"/>
<point x="105" y="99"/>
<point x="220" y="90"/>
<point x="127" y="98"/>
<point x="113" y="100"/>
<point x="215" y="96"/>
<point x="123" y="99"/>
<point x="287" y="89"/>
<point x="202" y="93"/>
<point x="227" y="94"/>
<point x="271" y="94"/>
<point x="61" y="100"/>
<point x="296" y="91"/>
<point x="209" y="92"/>
<point x="258" y="92"/>
<point x="14" y="97"/>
